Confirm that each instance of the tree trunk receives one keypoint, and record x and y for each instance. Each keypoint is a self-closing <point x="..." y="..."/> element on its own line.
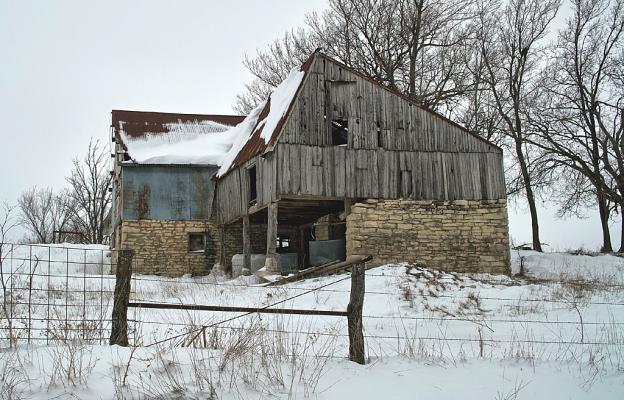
<point x="604" y="222"/>
<point x="621" y="250"/>
<point x="537" y="245"/>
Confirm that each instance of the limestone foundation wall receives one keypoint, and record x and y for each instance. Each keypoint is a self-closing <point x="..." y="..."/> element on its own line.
<point x="461" y="236"/>
<point x="162" y="248"/>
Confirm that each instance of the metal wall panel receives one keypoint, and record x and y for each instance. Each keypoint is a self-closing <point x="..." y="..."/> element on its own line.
<point x="167" y="192"/>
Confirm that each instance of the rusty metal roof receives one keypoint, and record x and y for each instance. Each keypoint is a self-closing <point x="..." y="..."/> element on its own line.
<point x="137" y="124"/>
<point x="256" y="145"/>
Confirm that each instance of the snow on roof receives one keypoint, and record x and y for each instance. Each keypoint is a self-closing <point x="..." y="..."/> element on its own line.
<point x="209" y="142"/>
<point x="262" y="123"/>
<point x="199" y="142"/>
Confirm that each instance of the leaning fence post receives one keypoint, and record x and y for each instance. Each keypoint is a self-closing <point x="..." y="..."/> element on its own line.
<point x="354" y="314"/>
<point x="119" y="328"/>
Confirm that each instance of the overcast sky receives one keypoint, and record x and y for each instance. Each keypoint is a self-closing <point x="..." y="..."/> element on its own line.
<point x="66" y="64"/>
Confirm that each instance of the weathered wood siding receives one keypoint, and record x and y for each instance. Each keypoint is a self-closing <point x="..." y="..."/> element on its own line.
<point x="395" y="150"/>
<point x="233" y="190"/>
<point x="375" y="116"/>
<point x="338" y="172"/>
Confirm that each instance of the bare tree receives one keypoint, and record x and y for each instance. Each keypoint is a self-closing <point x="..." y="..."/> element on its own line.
<point x="89" y="182"/>
<point x="8" y="221"/>
<point x="413" y="46"/>
<point x="582" y="122"/>
<point x="43" y="212"/>
<point x="510" y="46"/>
<point x="271" y="66"/>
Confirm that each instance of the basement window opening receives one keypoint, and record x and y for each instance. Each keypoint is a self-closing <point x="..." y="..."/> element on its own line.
<point x="253" y="190"/>
<point x="340" y="132"/>
<point x="283" y="243"/>
<point x="196" y="242"/>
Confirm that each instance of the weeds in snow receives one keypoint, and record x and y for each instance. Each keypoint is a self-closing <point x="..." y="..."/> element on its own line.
<point x="14" y="380"/>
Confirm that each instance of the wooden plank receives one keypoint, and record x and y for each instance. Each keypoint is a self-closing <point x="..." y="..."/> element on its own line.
<point x="259" y="310"/>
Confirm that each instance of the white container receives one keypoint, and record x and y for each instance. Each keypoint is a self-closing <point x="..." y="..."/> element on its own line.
<point x="257" y="262"/>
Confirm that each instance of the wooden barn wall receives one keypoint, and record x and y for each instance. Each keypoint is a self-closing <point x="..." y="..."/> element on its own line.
<point x="337" y="172"/>
<point x="375" y="116"/>
<point x="233" y="195"/>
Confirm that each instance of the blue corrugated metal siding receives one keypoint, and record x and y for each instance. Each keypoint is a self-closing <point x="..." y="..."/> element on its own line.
<point x="167" y="192"/>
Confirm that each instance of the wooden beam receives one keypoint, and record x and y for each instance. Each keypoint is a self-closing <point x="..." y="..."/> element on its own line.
<point x="270" y="264"/>
<point x="348" y="203"/>
<point x="222" y="248"/>
<point x="246" y="246"/>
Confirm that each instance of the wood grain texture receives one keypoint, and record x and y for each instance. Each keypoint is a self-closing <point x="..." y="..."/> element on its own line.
<point x="395" y="150"/>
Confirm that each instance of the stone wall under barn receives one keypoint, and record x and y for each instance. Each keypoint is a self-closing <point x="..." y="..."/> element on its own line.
<point x="461" y="236"/>
<point x="161" y="247"/>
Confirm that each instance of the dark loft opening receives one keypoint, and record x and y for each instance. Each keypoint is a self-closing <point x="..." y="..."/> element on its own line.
<point x="340" y="132"/>
<point x="196" y="242"/>
<point x="253" y="193"/>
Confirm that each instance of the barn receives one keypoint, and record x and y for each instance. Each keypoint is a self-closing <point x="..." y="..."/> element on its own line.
<point x="332" y="165"/>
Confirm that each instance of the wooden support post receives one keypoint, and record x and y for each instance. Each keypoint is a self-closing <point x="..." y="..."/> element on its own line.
<point x="354" y="314"/>
<point x="246" y="246"/>
<point x="119" y="325"/>
<point x="299" y="247"/>
<point x="222" y="248"/>
<point x="270" y="264"/>
<point x="347" y="206"/>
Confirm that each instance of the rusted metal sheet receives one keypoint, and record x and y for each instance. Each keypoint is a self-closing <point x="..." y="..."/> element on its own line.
<point x="256" y="144"/>
<point x="139" y="123"/>
<point x="165" y="192"/>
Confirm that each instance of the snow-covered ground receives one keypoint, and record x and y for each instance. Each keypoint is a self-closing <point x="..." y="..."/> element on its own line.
<point x="557" y="331"/>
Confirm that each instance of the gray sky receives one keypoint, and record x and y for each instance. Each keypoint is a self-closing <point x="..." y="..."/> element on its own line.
<point x="66" y="64"/>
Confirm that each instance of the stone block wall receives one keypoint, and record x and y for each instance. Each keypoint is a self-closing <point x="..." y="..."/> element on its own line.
<point x="161" y="247"/>
<point x="234" y="241"/>
<point x="461" y="236"/>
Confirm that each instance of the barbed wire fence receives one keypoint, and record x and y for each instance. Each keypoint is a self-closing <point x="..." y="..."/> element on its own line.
<point x="484" y="331"/>
<point x="58" y="293"/>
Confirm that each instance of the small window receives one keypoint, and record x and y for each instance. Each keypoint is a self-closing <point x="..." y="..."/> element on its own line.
<point x="379" y="136"/>
<point x="283" y="244"/>
<point x="253" y="192"/>
<point x="340" y="132"/>
<point x="196" y="242"/>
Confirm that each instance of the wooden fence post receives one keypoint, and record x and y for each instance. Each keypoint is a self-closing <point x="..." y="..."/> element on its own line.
<point x="119" y="326"/>
<point x="354" y="314"/>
